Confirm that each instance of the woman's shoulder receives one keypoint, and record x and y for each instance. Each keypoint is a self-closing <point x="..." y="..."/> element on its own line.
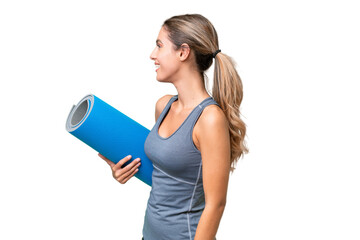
<point x="212" y="117"/>
<point x="160" y="104"/>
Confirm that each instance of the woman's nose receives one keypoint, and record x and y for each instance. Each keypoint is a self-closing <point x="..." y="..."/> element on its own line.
<point x="153" y="54"/>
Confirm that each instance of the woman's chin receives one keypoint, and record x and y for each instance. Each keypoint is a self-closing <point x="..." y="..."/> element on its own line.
<point x="159" y="79"/>
<point x="162" y="78"/>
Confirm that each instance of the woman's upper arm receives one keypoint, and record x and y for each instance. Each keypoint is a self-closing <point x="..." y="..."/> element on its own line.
<point x="160" y="105"/>
<point x="214" y="140"/>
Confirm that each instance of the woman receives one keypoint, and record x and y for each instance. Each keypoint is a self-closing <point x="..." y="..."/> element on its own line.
<point x="196" y="140"/>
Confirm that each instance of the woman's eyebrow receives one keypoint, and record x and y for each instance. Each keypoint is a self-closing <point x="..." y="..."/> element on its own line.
<point x="158" y="41"/>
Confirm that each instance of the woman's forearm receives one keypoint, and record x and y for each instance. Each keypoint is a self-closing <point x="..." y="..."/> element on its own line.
<point x="209" y="222"/>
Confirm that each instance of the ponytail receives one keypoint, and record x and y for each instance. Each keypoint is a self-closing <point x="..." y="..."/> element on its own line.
<point x="228" y="93"/>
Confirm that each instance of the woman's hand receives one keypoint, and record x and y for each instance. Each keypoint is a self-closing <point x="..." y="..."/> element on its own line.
<point x="122" y="175"/>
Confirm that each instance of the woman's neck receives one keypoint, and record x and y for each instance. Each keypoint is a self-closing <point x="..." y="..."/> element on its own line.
<point x="191" y="91"/>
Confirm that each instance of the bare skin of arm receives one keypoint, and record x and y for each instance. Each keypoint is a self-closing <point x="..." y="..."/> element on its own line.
<point x="214" y="143"/>
<point x="160" y="105"/>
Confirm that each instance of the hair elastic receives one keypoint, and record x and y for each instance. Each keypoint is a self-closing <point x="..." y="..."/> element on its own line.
<point x="216" y="52"/>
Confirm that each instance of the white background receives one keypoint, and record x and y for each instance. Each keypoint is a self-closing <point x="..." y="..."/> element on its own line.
<point x="299" y="62"/>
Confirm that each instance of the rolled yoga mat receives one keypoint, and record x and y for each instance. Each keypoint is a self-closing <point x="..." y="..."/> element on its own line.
<point x="110" y="132"/>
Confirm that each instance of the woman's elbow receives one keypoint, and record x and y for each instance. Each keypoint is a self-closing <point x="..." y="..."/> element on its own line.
<point x="222" y="205"/>
<point x="219" y="206"/>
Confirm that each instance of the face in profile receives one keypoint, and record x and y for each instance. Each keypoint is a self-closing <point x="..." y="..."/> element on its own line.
<point x="165" y="58"/>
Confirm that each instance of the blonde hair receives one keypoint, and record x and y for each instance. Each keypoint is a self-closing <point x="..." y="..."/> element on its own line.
<point x="198" y="32"/>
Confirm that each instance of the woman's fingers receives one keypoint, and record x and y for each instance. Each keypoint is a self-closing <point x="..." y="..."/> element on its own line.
<point x="117" y="165"/>
<point x="130" y="165"/>
<point x="129" y="174"/>
<point x="121" y="163"/>
<point x="123" y="173"/>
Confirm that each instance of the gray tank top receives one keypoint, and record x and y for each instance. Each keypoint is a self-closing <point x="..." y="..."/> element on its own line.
<point x="177" y="198"/>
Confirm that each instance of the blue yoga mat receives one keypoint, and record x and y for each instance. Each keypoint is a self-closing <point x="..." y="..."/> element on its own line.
<point x="110" y="132"/>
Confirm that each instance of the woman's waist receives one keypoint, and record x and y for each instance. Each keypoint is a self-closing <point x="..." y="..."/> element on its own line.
<point x="170" y="211"/>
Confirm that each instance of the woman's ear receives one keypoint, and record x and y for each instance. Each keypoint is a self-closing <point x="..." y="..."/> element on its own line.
<point x="184" y="52"/>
